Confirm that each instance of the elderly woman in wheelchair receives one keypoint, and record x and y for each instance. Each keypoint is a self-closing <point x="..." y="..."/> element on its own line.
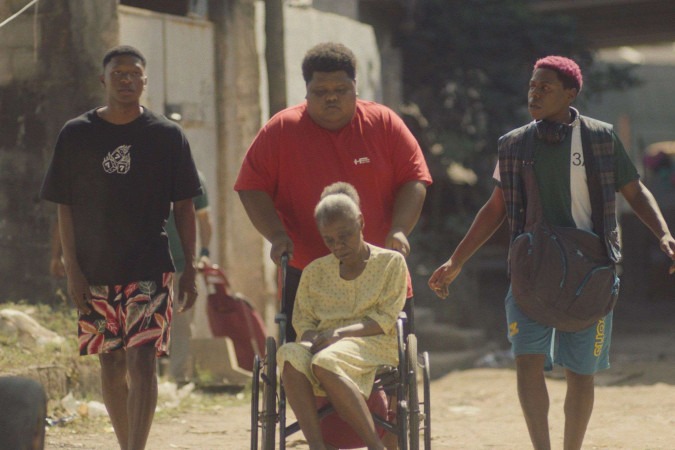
<point x="345" y="318"/>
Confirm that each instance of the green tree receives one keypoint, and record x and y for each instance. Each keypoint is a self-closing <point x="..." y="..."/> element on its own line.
<point x="466" y="66"/>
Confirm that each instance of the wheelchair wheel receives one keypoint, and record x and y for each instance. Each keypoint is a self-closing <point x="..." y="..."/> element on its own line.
<point x="255" y="398"/>
<point x="402" y="405"/>
<point x="427" y="401"/>
<point x="413" y="397"/>
<point x="269" y="412"/>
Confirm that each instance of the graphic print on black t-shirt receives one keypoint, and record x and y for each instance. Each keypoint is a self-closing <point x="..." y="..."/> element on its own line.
<point x="118" y="161"/>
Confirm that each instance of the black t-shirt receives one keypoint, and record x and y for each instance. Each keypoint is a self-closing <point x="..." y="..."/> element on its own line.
<point x="119" y="181"/>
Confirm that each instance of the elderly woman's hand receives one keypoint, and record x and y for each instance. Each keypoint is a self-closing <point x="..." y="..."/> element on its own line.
<point x="323" y="340"/>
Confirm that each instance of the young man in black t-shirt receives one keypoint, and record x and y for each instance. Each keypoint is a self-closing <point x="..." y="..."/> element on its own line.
<point x="115" y="174"/>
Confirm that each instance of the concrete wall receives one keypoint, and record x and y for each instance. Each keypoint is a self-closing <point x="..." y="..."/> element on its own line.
<point x="49" y="68"/>
<point x="17" y="59"/>
<point x="306" y="27"/>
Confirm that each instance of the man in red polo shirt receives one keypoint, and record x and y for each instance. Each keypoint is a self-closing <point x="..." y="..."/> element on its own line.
<point x="333" y="136"/>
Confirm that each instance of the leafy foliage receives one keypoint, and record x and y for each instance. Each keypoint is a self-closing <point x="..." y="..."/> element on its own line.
<point x="467" y="65"/>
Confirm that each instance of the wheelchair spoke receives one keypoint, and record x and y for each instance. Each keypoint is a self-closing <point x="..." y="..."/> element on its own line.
<point x="427" y="400"/>
<point x="413" y="397"/>
<point x="269" y="414"/>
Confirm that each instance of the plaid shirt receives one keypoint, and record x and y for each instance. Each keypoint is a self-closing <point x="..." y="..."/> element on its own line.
<point x="598" y="146"/>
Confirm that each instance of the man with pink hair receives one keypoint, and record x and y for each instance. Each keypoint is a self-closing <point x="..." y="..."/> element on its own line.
<point x="576" y="165"/>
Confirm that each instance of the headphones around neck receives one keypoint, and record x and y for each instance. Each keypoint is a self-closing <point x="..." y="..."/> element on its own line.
<point x="552" y="132"/>
<point x="555" y="132"/>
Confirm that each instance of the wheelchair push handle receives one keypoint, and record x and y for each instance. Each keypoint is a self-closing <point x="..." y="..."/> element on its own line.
<point x="281" y="317"/>
<point x="284" y="263"/>
<point x="284" y="272"/>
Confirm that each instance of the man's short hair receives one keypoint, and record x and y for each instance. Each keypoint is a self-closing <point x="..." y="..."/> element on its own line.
<point x="328" y="57"/>
<point x="123" y="50"/>
<point x="568" y="71"/>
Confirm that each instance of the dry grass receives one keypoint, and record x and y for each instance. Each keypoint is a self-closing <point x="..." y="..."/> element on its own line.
<point x="80" y="375"/>
<point x="16" y="354"/>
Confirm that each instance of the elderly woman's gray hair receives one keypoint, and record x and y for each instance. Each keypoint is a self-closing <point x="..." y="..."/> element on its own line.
<point x="338" y="200"/>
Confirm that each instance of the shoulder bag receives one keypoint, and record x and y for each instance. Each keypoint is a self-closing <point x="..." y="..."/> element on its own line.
<point x="560" y="276"/>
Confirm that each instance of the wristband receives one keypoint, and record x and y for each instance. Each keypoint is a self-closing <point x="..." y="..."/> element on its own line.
<point x="204" y="252"/>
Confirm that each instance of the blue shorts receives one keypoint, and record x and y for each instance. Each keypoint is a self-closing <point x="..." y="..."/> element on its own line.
<point x="584" y="352"/>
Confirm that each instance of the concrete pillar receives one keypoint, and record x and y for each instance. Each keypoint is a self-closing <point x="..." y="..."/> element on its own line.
<point x="238" y="121"/>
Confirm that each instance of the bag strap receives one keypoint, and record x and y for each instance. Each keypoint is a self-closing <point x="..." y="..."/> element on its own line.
<point x="593" y="180"/>
<point x="525" y="183"/>
<point x="534" y="213"/>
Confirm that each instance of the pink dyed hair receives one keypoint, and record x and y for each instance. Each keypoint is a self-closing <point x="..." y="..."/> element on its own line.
<point x="565" y="67"/>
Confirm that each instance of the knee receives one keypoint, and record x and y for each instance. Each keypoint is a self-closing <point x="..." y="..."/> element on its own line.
<point x="318" y="371"/>
<point x="141" y="363"/>
<point x="530" y="363"/>
<point x="288" y="371"/>
<point x="113" y="365"/>
<point x="579" y="380"/>
<point x="321" y="374"/>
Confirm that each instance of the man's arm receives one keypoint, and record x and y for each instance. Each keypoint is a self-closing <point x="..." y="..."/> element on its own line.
<point x="407" y="208"/>
<point x="56" y="268"/>
<point x="184" y="215"/>
<point x="78" y="286"/>
<point x="645" y="207"/>
<point x="260" y="210"/>
<point x="205" y="228"/>
<point x="487" y="221"/>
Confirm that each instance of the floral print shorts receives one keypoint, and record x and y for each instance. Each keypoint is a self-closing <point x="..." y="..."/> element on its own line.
<point x="129" y="315"/>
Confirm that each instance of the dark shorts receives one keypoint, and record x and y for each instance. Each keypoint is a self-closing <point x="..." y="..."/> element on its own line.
<point x="129" y="315"/>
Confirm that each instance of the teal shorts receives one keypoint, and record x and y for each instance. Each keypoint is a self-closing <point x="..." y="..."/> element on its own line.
<point x="584" y="352"/>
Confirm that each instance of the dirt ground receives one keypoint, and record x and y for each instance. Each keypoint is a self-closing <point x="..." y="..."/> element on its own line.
<point x="478" y="408"/>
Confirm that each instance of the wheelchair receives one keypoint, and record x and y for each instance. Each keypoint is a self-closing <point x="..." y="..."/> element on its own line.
<point x="411" y="409"/>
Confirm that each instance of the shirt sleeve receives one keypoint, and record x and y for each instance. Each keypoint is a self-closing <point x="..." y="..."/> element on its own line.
<point x="201" y="201"/>
<point x="185" y="178"/>
<point x="259" y="170"/>
<point x="410" y="164"/>
<point x="56" y="186"/>
<point x="304" y="318"/>
<point x="392" y="298"/>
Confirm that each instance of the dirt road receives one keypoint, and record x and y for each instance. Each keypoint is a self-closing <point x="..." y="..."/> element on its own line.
<point x="473" y="409"/>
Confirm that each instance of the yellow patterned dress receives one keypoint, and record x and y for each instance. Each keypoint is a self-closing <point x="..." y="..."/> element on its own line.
<point x="324" y="301"/>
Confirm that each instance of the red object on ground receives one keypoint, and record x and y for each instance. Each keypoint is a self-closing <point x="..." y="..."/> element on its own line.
<point x="232" y="316"/>
<point x="339" y="434"/>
